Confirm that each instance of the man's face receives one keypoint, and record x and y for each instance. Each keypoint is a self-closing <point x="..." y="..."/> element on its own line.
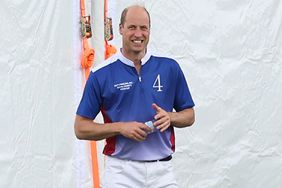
<point x="135" y="31"/>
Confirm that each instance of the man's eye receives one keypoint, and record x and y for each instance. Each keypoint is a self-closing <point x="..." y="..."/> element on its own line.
<point x="144" y="28"/>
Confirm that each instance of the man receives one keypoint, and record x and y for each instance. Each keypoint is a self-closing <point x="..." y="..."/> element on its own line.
<point x="132" y="89"/>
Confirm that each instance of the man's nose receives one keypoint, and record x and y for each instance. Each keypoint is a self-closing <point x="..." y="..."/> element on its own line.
<point x="138" y="33"/>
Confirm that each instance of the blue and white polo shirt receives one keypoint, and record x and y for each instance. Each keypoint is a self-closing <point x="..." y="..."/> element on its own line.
<point x="116" y="89"/>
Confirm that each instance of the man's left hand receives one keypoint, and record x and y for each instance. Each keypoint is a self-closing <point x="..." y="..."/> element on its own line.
<point x="162" y="118"/>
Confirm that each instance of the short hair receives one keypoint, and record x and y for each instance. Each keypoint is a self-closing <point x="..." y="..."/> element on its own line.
<point x="124" y="12"/>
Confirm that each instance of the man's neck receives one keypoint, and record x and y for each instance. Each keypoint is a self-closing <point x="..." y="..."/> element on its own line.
<point x="135" y="58"/>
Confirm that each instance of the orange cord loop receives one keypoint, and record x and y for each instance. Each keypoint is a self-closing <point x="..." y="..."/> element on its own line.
<point x="110" y="50"/>
<point x="87" y="56"/>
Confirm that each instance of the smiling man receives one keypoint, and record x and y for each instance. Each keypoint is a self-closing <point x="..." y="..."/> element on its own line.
<point x="136" y="93"/>
<point x="135" y="30"/>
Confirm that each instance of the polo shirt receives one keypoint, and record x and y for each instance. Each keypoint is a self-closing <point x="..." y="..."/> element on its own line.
<point x="122" y="95"/>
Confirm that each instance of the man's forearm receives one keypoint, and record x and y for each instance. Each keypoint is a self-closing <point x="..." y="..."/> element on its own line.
<point x="88" y="130"/>
<point x="183" y="118"/>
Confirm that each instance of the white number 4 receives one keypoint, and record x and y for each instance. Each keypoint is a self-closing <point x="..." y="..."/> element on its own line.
<point x="157" y="83"/>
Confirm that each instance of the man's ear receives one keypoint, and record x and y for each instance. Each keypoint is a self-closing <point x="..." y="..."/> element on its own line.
<point x="120" y="29"/>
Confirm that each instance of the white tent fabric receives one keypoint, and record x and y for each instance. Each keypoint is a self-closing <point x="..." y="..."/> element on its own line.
<point x="230" y="52"/>
<point x="36" y="94"/>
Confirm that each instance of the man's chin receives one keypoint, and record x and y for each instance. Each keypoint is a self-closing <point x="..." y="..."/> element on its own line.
<point x="138" y="49"/>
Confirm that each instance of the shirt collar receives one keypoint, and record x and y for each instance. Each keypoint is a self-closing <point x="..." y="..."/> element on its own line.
<point x="129" y="62"/>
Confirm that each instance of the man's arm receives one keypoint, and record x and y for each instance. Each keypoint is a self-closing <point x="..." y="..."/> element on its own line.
<point x="183" y="118"/>
<point x="179" y="119"/>
<point x="87" y="129"/>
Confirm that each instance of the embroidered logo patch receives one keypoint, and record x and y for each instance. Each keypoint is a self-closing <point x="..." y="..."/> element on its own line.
<point x="123" y="86"/>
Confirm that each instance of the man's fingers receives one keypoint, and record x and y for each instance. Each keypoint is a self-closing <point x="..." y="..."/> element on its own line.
<point x="163" y="126"/>
<point x="140" y="136"/>
<point x="161" y="118"/>
<point x="136" y="131"/>
<point x="146" y="129"/>
<point x="162" y="121"/>
<point x="142" y="133"/>
<point x="156" y="107"/>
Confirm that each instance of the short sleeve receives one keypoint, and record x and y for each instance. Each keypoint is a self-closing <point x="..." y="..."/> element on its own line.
<point x="183" y="98"/>
<point x="91" y="99"/>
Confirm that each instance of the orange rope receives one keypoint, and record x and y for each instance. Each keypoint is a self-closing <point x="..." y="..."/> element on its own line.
<point x="87" y="58"/>
<point x="95" y="168"/>
<point x="109" y="50"/>
<point x="86" y="63"/>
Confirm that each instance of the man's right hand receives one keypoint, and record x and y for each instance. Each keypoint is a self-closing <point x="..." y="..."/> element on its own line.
<point x="134" y="130"/>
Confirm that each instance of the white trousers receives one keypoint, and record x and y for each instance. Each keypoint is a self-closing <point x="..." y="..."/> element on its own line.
<point x="132" y="174"/>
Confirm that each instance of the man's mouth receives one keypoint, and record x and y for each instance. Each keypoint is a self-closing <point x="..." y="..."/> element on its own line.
<point x="137" y="41"/>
